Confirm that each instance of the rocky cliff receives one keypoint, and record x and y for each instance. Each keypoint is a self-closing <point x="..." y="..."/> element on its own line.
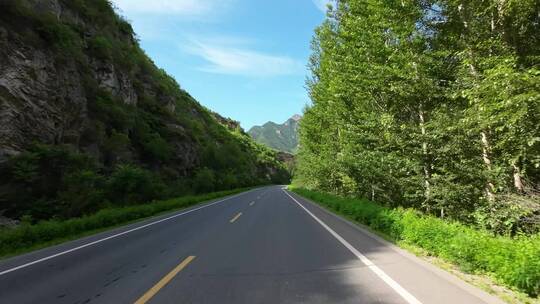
<point x="51" y="72"/>
<point x="73" y="78"/>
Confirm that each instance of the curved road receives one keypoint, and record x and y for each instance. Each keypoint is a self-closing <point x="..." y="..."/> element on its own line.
<point x="262" y="246"/>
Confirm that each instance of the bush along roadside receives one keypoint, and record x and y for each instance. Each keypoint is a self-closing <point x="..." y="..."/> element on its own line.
<point x="514" y="262"/>
<point x="27" y="237"/>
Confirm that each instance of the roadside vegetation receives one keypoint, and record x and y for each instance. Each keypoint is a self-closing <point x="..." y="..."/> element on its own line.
<point x="432" y="110"/>
<point x="512" y="262"/>
<point x="59" y="182"/>
<point x="433" y="105"/>
<point x="31" y="236"/>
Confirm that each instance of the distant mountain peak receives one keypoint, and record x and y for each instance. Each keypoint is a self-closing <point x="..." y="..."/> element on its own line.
<point x="296" y="117"/>
<point x="281" y="137"/>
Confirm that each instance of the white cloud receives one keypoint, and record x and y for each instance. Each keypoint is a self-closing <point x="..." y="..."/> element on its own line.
<point x="171" y="7"/>
<point x="242" y="61"/>
<point x="322" y="5"/>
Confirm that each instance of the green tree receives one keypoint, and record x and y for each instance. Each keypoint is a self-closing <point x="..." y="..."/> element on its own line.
<point x="430" y="104"/>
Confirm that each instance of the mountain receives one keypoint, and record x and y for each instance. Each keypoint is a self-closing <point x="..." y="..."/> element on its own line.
<point x="282" y="137"/>
<point x="87" y="120"/>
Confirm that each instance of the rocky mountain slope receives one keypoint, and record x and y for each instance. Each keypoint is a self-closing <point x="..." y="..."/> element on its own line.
<point x="281" y="137"/>
<point x="87" y="119"/>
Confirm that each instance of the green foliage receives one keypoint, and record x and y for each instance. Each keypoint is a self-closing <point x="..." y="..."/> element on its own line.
<point x="158" y="148"/>
<point x="113" y="113"/>
<point x="116" y="148"/>
<point x="83" y="193"/>
<point x="228" y="180"/>
<point x="512" y="261"/>
<point x="63" y="37"/>
<point x="510" y="214"/>
<point x="31" y="236"/>
<point x="204" y="181"/>
<point x="100" y="47"/>
<point x="97" y="12"/>
<point x="132" y="185"/>
<point x="153" y="146"/>
<point x="55" y="181"/>
<point x="428" y="104"/>
<point x="59" y="182"/>
<point x="34" y="178"/>
<point x="42" y="29"/>
<point x="125" y="27"/>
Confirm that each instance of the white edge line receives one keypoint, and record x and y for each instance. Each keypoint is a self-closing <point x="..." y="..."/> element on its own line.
<point x="379" y="272"/>
<point x="116" y="235"/>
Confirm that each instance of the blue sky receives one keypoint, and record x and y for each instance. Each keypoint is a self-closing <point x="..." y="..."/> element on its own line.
<point x="245" y="59"/>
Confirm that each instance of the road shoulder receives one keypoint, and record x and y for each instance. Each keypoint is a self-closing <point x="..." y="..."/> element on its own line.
<point x="398" y="262"/>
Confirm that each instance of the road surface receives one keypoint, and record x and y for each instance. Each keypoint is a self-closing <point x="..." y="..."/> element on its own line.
<point x="262" y="246"/>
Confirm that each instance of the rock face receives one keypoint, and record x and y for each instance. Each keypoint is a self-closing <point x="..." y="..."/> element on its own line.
<point x="43" y="98"/>
<point x="118" y="84"/>
<point x="39" y="101"/>
<point x="227" y="122"/>
<point x="281" y="137"/>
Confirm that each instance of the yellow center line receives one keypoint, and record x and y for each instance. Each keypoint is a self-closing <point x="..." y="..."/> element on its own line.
<point x="235" y="217"/>
<point x="166" y="279"/>
<point x="252" y="203"/>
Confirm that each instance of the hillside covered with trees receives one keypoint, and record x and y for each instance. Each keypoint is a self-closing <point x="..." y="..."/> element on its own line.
<point x="87" y="121"/>
<point x="429" y="104"/>
<point x="281" y="137"/>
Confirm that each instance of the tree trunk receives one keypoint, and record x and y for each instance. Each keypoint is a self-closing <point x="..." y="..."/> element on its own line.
<point x="518" y="181"/>
<point x="490" y="188"/>
<point x="426" y="163"/>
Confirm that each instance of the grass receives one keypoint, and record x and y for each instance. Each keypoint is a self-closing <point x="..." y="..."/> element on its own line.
<point x="28" y="237"/>
<point x="512" y="262"/>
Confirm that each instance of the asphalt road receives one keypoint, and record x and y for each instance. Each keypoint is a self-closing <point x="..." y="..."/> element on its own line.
<point x="262" y="246"/>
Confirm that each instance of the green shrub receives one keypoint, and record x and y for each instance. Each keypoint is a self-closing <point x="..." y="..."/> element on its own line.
<point x="129" y="184"/>
<point x="514" y="262"/>
<point x="27" y="236"/>
<point x="83" y="193"/>
<point x="157" y="148"/>
<point x="113" y="113"/>
<point x="204" y="181"/>
<point x="125" y="27"/>
<point x="33" y="179"/>
<point x="227" y="180"/>
<point x="61" y="36"/>
<point x="116" y="148"/>
<point x="100" y="47"/>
